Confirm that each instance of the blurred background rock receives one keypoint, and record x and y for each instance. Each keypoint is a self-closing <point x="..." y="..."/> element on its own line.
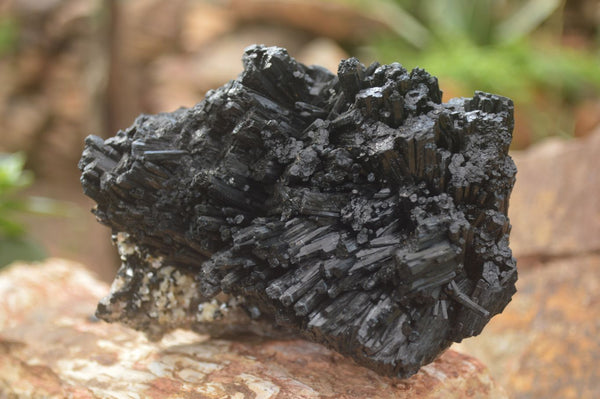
<point x="69" y="68"/>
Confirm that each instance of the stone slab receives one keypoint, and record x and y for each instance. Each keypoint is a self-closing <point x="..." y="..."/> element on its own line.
<point x="51" y="347"/>
<point x="546" y="344"/>
<point x="554" y="208"/>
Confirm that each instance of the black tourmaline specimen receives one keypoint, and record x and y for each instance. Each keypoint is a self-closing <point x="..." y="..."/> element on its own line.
<point x="357" y="211"/>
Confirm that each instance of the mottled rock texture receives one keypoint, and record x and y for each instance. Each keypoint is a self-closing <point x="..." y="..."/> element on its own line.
<point x="546" y="344"/>
<point x="355" y="210"/>
<point x="557" y="212"/>
<point x="51" y="347"/>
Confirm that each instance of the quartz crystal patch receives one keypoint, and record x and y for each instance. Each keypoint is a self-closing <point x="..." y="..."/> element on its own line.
<point x="357" y="211"/>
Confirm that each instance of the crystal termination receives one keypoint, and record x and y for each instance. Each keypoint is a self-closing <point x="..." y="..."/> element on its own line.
<point x="357" y="210"/>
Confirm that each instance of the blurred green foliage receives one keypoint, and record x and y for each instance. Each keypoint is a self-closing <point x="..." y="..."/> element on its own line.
<point x="12" y="179"/>
<point x="508" y="47"/>
<point x="8" y="34"/>
<point x="482" y="22"/>
<point x="14" y="243"/>
<point x="520" y="69"/>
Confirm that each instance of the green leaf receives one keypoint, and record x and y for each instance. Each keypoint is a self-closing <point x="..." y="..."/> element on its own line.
<point x="12" y="179"/>
<point x="12" y="175"/>
<point x="461" y="19"/>
<point x="401" y="23"/>
<point x="8" y="34"/>
<point x="526" y="19"/>
<point x="10" y="228"/>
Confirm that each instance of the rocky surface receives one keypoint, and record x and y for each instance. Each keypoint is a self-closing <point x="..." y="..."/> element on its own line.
<point x="556" y="211"/>
<point x="52" y="347"/>
<point x="356" y="210"/>
<point x="546" y="343"/>
<point x="207" y="22"/>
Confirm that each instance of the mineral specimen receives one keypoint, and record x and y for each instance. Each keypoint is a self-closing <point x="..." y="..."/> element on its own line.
<point x="357" y="210"/>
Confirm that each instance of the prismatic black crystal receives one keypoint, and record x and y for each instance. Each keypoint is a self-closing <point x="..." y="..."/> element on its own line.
<point x="357" y="210"/>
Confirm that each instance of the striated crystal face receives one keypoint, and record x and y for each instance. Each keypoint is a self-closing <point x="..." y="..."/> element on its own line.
<point x="357" y="210"/>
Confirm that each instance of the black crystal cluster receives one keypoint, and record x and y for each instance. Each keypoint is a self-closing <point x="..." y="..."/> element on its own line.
<point x="356" y="210"/>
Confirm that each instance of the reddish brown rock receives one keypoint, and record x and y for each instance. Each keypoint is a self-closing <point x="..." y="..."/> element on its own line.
<point x="546" y="343"/>
<point x="587" y="117"/>
<point x="554" y="206"/>
<point x="50" y="347"/>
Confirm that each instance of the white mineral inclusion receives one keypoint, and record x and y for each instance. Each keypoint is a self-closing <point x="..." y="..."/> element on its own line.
<point x="166" y="293"/>
<point x="123" y="245"/>
<point x="209" y="311"/>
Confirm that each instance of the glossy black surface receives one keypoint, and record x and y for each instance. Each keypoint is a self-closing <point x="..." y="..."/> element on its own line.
<point x="357" y="210"/>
